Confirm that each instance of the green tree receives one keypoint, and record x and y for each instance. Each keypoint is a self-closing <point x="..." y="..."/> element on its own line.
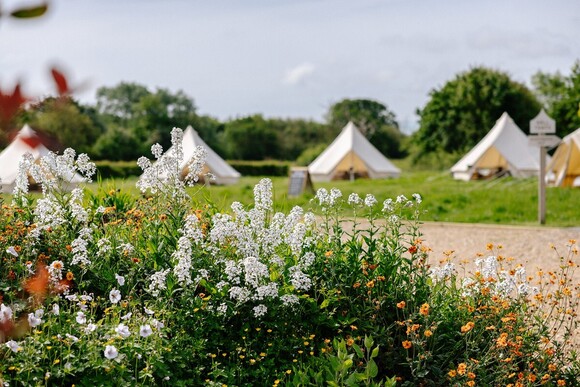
<point x="459" y="114"/>
<point x="147" y="116"/>
<point x="73" y="125"/>
<point x="561" y="97"/>
<point x="374" y="120"/>
<point x="250" y="138"/>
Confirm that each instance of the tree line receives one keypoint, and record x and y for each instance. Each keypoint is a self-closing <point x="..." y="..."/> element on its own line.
<point x="129" y="117"/>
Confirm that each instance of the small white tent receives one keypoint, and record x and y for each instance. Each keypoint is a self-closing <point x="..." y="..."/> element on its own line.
<point x="26" y="141"/>
<point x="504" y="149"/>
<point x="564" y="168"/>
<point x="214" y="164"/>
<point x="351" y="154"/>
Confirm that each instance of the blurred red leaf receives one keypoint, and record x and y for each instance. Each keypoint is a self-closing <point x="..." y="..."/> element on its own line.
<point x="37" y="285"/>
<point x="61" y="82"/>
<point x="10" y="103"/>
<point x="30" y="12"/>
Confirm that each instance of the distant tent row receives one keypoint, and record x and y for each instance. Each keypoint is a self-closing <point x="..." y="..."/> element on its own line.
<point x="505" y="150"/>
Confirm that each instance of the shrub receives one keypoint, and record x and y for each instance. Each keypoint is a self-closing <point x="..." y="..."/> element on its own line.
<point x="261" y="168"/>
<point x="169" y="290"/>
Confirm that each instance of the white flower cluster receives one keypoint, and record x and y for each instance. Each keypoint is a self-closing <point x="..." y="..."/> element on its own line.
<point x="501" y="282"/>
<point x="165" y="174"/>
<point x="157" y="282"/>
<point x="54" y="171"/>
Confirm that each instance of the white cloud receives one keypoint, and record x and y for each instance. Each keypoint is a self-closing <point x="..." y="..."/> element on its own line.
<point x="298" y="73"/>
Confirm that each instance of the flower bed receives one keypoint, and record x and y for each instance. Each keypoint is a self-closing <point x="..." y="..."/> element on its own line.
<point x="165" y="289"/>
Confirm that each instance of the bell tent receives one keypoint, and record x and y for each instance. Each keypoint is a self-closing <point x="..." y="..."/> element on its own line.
<point x="564" y="168"/>
<point x="224" y="174"/>
<point x="505" y="149"/>
<point x="26" y="141"/>
<point x="349" y="155"/>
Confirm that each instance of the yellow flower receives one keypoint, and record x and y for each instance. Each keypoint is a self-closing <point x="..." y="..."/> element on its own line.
<point x="452" y="373"/>
<point x="428" y="333"/>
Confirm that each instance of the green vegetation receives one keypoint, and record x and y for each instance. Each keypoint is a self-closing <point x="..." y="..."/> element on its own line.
<point x="168" y="289"/>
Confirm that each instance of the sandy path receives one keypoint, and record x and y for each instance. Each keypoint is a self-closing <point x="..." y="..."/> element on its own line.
<point x="528" y="245"/>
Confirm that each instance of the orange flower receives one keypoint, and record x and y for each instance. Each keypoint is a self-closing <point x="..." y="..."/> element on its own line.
<point x="471" y="375"/>
<point x="328" y="253"/>
<point x="401" y="304"/>
<point x="467" y="327"/>
<point x="471" y="383"/>
<point x="461" y="368"/>
<point x="428" y="333"/>
<point x="561" y="382"/>
<point x="70" y="276"/>
<point x="424" y="309"/>
<point x="371" y="284"/>
<point x="407" y="344"/>
<point x="452" y="373"/>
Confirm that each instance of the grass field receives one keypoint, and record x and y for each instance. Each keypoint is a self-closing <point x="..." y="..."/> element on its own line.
<point x="501" y="201"/>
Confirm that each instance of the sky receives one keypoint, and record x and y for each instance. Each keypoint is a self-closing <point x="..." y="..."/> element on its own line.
<point x="286" y="58"/>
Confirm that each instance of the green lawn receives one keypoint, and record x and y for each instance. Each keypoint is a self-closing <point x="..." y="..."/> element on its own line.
<point x="505" y="201"/>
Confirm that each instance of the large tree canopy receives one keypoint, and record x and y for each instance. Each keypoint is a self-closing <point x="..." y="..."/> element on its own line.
<point x="561" y="97"/>
<point x="460" y="113"/>
<point x="73" y="125"/>
<point x="145" y="115"/>
<point x="374" y="120"/>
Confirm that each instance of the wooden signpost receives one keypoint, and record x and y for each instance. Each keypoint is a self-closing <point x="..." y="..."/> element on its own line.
<point x="299" y="181"/>
<point x="542" y="129"/>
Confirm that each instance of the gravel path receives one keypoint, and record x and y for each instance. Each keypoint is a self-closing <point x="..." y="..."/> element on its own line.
<point x="528" y="245"/>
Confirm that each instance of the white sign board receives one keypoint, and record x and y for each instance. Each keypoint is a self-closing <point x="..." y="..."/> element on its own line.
<point x="542" y="124"/>
<point x="542" y="140"/>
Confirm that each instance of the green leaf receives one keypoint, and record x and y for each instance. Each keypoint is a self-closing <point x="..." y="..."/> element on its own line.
<point x="325" y="303"/>
<point x="375" y="352"/>
<point x="358" y="351"/>
<point x="347" y="363"/>
<point x="372" y="369"/>
<point x="368" y="342"/>
<point x="30" y="12"/>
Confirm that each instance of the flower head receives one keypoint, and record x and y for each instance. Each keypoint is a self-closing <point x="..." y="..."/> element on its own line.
<point x="111" y="352"/>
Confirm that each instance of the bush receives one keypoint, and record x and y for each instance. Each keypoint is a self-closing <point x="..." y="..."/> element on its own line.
<point x="261" y="168"/>
<point x="117" y="169"/>
<point x="167" y="290"/>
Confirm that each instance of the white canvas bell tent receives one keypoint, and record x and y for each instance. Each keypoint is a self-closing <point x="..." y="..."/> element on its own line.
<point x="351" y="154"/>
<point x="223" y="172"/>
<point x="564" y="168"/>
<point x="505" y="149"/>
<point x="26" y="141"/>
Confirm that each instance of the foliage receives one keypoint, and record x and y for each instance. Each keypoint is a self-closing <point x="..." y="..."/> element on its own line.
<point x="166" y="289"/>
<point x="66" y="120"/>
<point x="261" y="168"/>
<point x="251" y="138"/>
<point x="117" y="169"/>
<point x="461" y="112"/>
<point x="373" y="119"/>
<point x="561" y="95"/>
<point x="144" y="116"/>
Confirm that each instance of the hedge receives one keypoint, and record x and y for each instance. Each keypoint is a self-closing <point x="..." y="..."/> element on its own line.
<point x="122" y="169"/>
<point x="261" y="168"/>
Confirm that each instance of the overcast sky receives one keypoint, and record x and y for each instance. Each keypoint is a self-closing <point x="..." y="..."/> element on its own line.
<point x="287" y="58"/>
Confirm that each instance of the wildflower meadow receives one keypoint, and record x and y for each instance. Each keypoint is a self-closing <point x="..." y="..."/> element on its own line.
<point x="166" y="289"/>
